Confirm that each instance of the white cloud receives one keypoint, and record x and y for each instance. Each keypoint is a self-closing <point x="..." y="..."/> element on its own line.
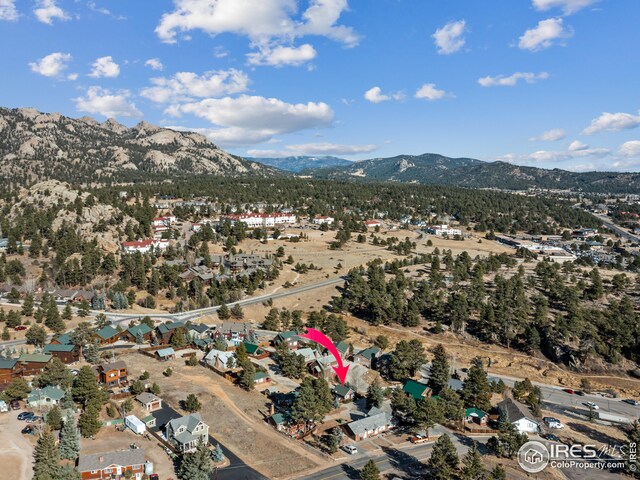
<point x="544" y="35"/>
<point x="577" y="146"/>
<point x="281" y="55"/>
<point x="375" y="95"/>
<point x="154" y="64"/>
<point x="51" y="65"/>
<point x="512" y="80"/>
<point x="268" y="24"/>
<point x="105" y="67"/>
<point x="188" y="85"/>
<point x="248" y="119"/>
<point x="100" y="101"/>
<point x="72" y="76"/>
<point x="612" y="122"/>
<point x="630" y="149"/>
<point x="428" y="91"/>
<point x="568" y="6"/>
<point x="47" y="10"/>
<point x="8" y="10"/>
<point x="576" y="150"/>
<point x="550" y="135"/>
<point x="314" y="149"/>
<point x="450" y="38"/>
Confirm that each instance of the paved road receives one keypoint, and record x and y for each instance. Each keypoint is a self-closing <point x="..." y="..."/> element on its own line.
<point x="195" y="314"/>
<point x="623" y="232"/>
<point x="554" y="395"/>
<point x="237" y="469"/>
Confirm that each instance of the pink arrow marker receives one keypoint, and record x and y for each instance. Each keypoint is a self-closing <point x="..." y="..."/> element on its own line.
<point x="319" y="337"/>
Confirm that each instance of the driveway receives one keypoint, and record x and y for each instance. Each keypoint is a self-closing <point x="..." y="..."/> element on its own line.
<point x="16" y="454"/>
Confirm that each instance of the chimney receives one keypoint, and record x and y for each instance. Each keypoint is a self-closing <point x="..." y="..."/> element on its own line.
<point x="101" y="459"/>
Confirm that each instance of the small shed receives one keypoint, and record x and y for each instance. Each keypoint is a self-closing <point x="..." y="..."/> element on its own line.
<point x="165" y="353"/>
<point x="135" y="424"/>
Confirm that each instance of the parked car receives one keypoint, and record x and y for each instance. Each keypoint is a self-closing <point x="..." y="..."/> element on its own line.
<point x="19" y="328"/>
<point x="551" y="437"/>
<point x="631" y="401"/>
<point x="418" y="439"/>
<point x="154" y="476"/>
<point x="25" y="415"/>
<point x="15" y="404"/>
<point x="592" y="405"/>
<point x="579" y="392"/>
<point x="28" y="430"/>
<point x="350" y="449"/>
<point x="550" y="419"/>
<point x="33" y="419"/>
<point x="568" y="390"/>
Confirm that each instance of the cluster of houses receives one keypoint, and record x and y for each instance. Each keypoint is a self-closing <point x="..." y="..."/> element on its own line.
<point x="262" y="220"/>
<point x="233" y="266"/>
<point x="443" y="231"/>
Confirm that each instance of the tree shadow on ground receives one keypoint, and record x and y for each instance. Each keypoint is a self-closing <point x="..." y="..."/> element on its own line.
<point x="594" y="434"/>
<point x="402" y="461"/>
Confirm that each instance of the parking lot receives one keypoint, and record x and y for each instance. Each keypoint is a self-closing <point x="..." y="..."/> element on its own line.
<point x="16" y="452"/>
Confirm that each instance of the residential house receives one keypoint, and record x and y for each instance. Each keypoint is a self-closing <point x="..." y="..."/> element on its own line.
<point x="165" y="331"/>
<point x="443" y="231"/>
<point x="9" y="369"/>
<point x="372" y="223"/>
<point x="375" y="423"/>
<point x="255" y="351"/>
<point x="323" y="219"/>
<point x="113" y="465"/>
<point x="149" y="401"/>
<point x="66" y="353"/>
<point x="112" y="374"/>
<point x="261" y="377"/>
<point x="165" y="354"/>
<point x="220" y="360"/>
<point x="107" y="335"/>
<point x="343" y="393"/>
<point x="367" y="357"/>
<point x="187" y="432"/>
<point x="202" y="272"/>
<point x="145" y="246"/>
<point x="475" y="416"/>
<point x="234" y="333"/>
<point x="64" y="339"/>
<point x="290" y="338"/>
<point x="309" y="354"/>
<point x="416" y="389"/>
<point x="33" y="363"/>
<point x="198" y="331"/>
<point x="64" y="295"/>
<point x="322" y="367"/>
<point x="343" y="348"/>
<point x="519" y="415"/>
<point x="139" y="332"/>
<point x="45" y="397"/>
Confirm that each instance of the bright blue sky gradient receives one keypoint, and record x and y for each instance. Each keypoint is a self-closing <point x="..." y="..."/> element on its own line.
<point x="303" y="90"/>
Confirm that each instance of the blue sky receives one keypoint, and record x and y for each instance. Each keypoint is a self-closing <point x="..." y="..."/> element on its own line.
<point x="550" y="83"/>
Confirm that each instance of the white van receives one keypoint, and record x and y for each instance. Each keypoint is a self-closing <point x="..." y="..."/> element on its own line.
<point x="3" y="406"/>
<point x="350" y="449"/>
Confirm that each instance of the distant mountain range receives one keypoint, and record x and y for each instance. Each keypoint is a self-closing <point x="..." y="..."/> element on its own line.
<point x="431" y="168"/>
<point x="298" y="164"/>
<point x="37" y="146"/>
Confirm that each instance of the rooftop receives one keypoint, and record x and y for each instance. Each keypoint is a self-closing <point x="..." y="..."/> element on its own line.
<point x="98" y="461"/>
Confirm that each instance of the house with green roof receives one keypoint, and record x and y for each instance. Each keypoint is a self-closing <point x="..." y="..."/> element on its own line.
<point x="367" y="357"/>
<point x="343" y="393"/>
<point x="290" y="338"/>
<point x="255" y="351"/>
<point x="343" y="348"/>
<point x="416" y="389"/>
<point x="9" y="368"/>
<point x="165" y="331"/>
<point x="475" y="415"/>
<point x="64" y="339"/>
<point x="34" y="363"/>
<point x="107" y="335"/>
<point x="43" y="397"/>
<point x="261" y="377"/>
<point x="136" y="333"/>
<point x="67" y="354"/>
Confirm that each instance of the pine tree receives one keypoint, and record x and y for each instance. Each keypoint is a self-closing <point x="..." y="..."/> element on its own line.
<point x="196" y="465"/>
<point x="67" y="472"/>
<point x="192" y="404"/>
<point x="54" y="418"/>
<point x="375" y="395"/>
<point x="46" y="456"/>
<point x="67" y="314"/>
<point x="473" y="468"/>
<point x="85" y="387"/>
<point x="236" y="312"/>
<point x="70" y="440"/>
<point x="370" y="471"/>
<point x="444" y="459"/>
<point x="223" y="312"/>
<point x="247" y="376"/>
<point x="218" y="454"/>
<point x="27" y="305"/>
<point x="439" y="372"/>
<point x="498" y="473"/>
<point x="476" y="390"/>
<point x="89" y="421"/>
